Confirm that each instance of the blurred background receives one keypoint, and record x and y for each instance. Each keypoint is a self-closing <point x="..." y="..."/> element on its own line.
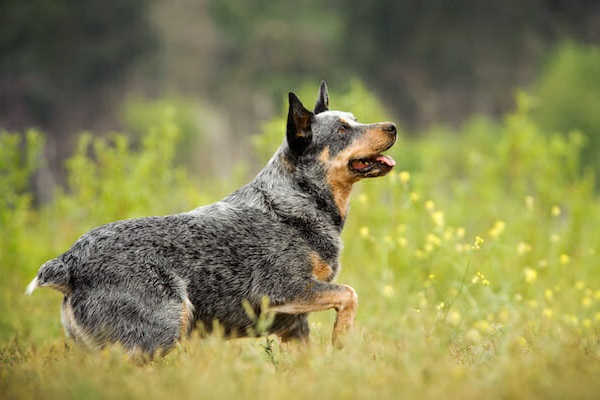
<point x="225" y="66"/>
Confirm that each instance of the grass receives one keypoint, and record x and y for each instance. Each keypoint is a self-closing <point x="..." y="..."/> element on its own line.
<point x="475" y="263"/>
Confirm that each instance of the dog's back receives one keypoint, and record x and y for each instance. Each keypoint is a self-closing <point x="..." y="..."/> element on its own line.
<point x="147" y="282"/>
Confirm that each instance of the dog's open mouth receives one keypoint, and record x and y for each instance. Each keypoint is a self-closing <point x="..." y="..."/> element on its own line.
<point x="376" y="165"/>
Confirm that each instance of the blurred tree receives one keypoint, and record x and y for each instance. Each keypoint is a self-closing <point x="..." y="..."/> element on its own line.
<point x="440" y="61"/>
<point x="272" y="43"/>
<point x="63" y="63"/>
<point x="59" y="57"/>
<point x="189" y="54"/>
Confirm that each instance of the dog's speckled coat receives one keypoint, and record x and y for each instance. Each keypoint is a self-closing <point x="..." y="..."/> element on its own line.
<point x="147" y="282"/>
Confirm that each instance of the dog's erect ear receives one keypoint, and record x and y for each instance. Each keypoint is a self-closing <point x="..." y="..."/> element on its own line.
<point x="323" y="99"/>
<point x="299" y="133"/>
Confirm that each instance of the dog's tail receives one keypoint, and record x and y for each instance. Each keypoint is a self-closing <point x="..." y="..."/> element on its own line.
<point x="54" y="274"/>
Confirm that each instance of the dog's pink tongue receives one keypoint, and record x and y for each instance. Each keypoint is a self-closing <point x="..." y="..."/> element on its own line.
<point x="387" y="160"/>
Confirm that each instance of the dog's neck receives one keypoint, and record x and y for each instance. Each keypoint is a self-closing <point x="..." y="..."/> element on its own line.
<point x="292" y="191"/>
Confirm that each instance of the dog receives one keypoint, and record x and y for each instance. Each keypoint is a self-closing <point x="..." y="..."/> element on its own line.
<point x="146" y="283"/>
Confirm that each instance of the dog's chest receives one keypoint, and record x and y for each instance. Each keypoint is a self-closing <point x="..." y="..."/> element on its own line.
<point x="321" y="269"/>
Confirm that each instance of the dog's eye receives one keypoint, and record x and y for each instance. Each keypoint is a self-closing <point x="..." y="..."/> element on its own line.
<point x="343" y="128"/>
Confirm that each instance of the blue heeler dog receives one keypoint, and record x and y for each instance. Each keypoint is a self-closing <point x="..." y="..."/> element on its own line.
<point x="148" y="282"/>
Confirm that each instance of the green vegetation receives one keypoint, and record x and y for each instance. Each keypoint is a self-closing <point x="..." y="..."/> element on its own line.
<point x="568" y="92"/>
<point x="475" y="262"/>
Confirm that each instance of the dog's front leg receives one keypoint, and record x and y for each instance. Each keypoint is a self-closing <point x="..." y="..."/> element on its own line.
<point x="346" y="311"/>
<point x="320" y="296"/>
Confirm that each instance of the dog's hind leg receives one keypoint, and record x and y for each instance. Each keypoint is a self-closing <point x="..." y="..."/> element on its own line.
<point x="291" y="327"/>
<point x="142" y="324"/>
<point x="319" y="296"/>
<point x="73" y="329"/>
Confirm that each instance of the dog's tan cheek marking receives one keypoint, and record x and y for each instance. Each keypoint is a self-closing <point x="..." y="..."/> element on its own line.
<point x="320" y="269"/>
<point x="339" y="178"/>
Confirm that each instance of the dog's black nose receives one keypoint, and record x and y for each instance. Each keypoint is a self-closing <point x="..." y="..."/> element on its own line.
<point x="389" y="128"/>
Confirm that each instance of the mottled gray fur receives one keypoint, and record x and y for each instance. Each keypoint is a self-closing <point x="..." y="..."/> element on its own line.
<point x="146" y="282"/>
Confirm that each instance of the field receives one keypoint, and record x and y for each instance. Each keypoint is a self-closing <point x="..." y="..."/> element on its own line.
<point x="475" y="261"/>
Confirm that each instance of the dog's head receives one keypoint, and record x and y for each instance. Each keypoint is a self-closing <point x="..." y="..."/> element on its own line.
<point x="345" y="149"/>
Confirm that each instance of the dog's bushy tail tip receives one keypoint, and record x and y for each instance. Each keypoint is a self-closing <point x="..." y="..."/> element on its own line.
<point x="34" y="284"/>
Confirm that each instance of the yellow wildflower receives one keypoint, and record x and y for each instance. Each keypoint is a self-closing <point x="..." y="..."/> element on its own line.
<point x="364" y="232"/>
<point x="504" y="315"/>
<point x="556" y="211"/>
<point x="571" y="319"/>
<point x="530" y="275"/>
<point x="402" y="242"/>
<point x="497" y="229"/>
<point x="523" y="248"/>
<point x="564" y="259"/>
<point x="479" y="277"/>
<point x="532" y="304"/>
<point x="518" y="297"/>
<point x="586" y="302"/>
<point x="387" y="291"/>
<point x="521" y="342"/>
<point x="529" y="203"/>
<point x="448" y="234"/>
<point x="429" y="205"/>
<point x="433" y="239"/>
<point x="484" y="327"/>
<point x="404" y="176"/>
<point x="548" y="313"/>
<point x="438" y="218"/>
<point x="587" y="323"/>
<point x="453" y="318"/>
